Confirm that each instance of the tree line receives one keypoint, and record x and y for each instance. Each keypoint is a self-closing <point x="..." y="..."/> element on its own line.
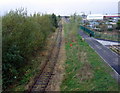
<point x="22" y="36"/>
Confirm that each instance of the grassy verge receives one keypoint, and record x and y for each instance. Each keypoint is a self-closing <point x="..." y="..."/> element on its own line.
<point x="85" y="70"/>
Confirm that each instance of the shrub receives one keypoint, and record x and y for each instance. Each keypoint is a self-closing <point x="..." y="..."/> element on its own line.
<point x="118" y="25"/>
<point x="22" y="36"/>
<point x="54" y="20"/>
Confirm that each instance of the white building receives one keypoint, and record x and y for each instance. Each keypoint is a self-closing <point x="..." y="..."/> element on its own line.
<point x="114" y="17"/>
<point x="95" y="17"/>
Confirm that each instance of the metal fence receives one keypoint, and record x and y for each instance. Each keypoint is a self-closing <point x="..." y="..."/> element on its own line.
<point x="100" y="35"/>
<point x="90" y="32"/>
<point x="107" y="37"/>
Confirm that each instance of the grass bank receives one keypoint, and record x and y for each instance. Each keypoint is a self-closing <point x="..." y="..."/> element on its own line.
<point x="85" y="70"/>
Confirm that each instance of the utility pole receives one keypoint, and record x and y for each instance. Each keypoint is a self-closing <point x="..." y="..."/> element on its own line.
<point x="90" y="12"/>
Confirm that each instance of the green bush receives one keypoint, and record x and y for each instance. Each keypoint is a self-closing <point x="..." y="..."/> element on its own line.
<point x="54" y="20"/>
<point x="118" y="25"/>
<point x="110" y="29"/>
<point x="22" y="36"/>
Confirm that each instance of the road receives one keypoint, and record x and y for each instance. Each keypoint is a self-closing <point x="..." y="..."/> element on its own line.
<point x="111" y="58"/>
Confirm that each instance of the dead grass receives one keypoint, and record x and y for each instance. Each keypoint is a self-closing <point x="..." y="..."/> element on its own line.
<point x="59" y="71"/>
<point x="85" y="73"/>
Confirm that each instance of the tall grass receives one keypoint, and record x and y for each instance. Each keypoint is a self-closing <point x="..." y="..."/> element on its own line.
<point x="84" y="69"/>
<point x="22" y="36"/>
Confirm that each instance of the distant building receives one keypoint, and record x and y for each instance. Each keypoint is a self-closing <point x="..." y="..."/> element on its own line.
<point x="95" y="17"/>
<point x="109" y="26"/>
<point x="102" y="17"/>
<point x="119" y="8"/>
<point x="112" y="16"/>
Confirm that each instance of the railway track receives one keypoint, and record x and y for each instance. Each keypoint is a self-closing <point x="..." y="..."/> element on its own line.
<point x="42" y="80"/>
<point x="115" y="48"/>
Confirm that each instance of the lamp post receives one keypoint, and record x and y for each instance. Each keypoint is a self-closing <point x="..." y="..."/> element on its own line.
<point x="83" y="16"/>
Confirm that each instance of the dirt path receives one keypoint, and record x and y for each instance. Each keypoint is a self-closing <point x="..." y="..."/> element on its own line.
<point x="57" y="77"/>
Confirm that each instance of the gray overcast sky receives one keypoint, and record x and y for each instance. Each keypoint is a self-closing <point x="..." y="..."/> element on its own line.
<point x="61" y="7"/>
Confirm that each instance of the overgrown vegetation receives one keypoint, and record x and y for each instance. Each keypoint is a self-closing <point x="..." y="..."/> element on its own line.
<point x="118" y="25"/>
<point x="22" y="37"/>
<point x="85" y="70"/>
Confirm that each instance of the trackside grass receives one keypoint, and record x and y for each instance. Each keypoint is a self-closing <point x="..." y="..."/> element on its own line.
<point x="85" y="70"/>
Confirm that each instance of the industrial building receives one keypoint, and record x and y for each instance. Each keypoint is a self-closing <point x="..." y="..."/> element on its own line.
<point x="102" y="17"/>
<point x="95" y="17"/>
